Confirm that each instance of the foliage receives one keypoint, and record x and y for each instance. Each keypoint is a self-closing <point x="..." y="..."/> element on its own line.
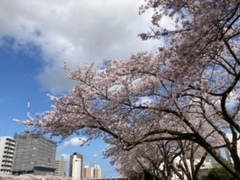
<point x="188" y="91"/>
<point x="219" y="174"/>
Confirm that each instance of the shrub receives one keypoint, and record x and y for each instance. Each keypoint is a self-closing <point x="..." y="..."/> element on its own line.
<point x="219" y="174"/>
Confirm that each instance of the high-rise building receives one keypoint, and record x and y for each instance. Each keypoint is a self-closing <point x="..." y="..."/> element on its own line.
<point x="34" y="154"/>
<point x="7" y="149"/>
<point x="60" y="165"/>
<point x="97" y="172"/>
<point x="87" y="172"/>
<point x="76" y="166"/>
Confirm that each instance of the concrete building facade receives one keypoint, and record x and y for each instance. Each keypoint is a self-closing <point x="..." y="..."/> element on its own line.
<point x="34" y="154"/>
<point x="7" y="150"/>
<point x="60" y="165"/>
<point x="76" y="166"/>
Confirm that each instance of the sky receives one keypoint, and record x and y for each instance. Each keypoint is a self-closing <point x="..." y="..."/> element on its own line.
<point x="37" y="37"/>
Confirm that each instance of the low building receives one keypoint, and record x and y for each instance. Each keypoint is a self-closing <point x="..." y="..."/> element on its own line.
<point x="207" y="165"/>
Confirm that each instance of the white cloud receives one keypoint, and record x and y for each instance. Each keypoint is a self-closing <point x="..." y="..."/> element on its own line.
<point x="95" y="155"/>
<point x="75" y="141"/>
<point x="75" y="31"/>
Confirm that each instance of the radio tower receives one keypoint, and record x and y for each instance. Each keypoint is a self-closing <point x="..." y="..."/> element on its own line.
<point x="28" y="115"/>
<point x="28" y="108"/>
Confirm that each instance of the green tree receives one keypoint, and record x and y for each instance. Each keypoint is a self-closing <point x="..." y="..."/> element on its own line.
<point x="219" y="174"/>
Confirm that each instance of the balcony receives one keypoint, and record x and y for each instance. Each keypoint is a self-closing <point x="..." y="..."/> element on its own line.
<point x="9" y="145"/>
<point x="8" y="158"/>
<point x="6" y="154"/>
<point x="9" y="148"/>
<point x="6" y="168"/>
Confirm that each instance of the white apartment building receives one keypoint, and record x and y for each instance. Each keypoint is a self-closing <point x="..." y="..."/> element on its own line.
<point x="7" y="149"/>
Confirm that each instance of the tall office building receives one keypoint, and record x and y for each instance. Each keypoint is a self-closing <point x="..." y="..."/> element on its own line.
<point x="87" y="172"/>
<point x="34" y="154"/>
<point x="60" y="165"/>
<point x="7" y="149"/>
<point x="76" y="166"/>
<point x="97" y="172"/>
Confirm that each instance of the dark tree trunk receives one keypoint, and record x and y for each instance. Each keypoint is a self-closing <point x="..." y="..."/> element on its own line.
<point x="148" y="176"/>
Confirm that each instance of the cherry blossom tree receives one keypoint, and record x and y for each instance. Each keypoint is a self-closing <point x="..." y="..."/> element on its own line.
<point x="161" y="160"/>
<point x="145" y="160"/>
<point x="190" y="160"/>
<point x="28" y="177"/>
<point x="188" y="90"/>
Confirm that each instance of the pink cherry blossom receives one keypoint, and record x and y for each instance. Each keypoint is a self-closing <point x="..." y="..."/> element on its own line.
<point x="191" y="86"/>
